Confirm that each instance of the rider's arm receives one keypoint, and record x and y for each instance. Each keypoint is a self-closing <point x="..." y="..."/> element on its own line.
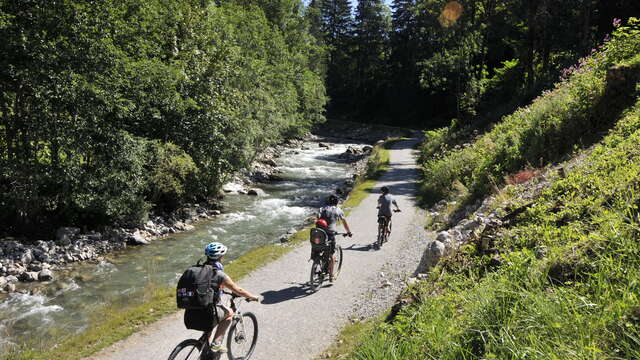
<point x="396" y="204"/>
<point x="229" y="284"/>
<point x="346" y="226"/>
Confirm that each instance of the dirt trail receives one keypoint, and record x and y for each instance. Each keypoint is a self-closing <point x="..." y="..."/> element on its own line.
<point x="295" y="324"/>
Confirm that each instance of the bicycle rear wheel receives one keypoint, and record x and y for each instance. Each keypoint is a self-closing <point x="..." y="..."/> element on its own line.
<point x="186" y="350"/>
<point x="315" y="280"/>
<point x="380" y="237"/>
<point x="242" y="337"/>
<point x="338" y="264"/>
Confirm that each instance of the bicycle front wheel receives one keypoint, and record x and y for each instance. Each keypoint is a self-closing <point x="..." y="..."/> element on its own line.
<point x="242" y="337"/>
<point x="317" y="275"/>
<point x="186" y="350"/>
<point x="338" y="264"/>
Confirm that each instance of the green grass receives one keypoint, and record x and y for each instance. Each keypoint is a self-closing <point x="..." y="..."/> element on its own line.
<point x="562" y="282"/>
<point x="349" y="338"/>
<point x="573" y="115"/>
<point x="115" y="323"/>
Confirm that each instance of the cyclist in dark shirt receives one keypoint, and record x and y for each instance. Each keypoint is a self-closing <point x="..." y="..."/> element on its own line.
<point x="215" y="252"/>
<point x="384" y="205"/>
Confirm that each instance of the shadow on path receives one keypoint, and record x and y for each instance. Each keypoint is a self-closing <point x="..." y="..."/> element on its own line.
<point x="367" y="247"/>
<point x="297" y="291"/>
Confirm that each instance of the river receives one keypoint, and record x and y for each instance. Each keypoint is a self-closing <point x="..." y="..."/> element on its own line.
<point x="69" y="304"/>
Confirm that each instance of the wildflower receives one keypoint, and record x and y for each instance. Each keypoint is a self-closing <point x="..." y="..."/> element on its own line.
<point x="616" y="22"/>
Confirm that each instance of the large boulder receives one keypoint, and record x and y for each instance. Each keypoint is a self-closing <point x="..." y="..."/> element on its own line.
<point x="435" y="250"/>
<point x="45" y="275"/>
<point x="65" y="235"/>
<point x="29" y="276"/>
<point x="137" y="239"/>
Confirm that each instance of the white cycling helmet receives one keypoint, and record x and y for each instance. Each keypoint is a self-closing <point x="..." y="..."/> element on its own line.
<point x="215" y="250"/>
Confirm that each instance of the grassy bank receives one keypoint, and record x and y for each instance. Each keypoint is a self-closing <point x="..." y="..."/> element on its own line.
<point x="561" y="279"/>
<point x="560" y="283"/>
<point x="115" y="323"/>
<point x="573" y="115"/>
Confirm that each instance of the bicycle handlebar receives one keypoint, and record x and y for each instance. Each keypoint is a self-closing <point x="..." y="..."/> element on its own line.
<point x="235" y="296"/>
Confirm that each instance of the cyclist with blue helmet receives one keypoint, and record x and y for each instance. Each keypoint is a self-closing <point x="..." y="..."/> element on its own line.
<point x="215" y="252"/>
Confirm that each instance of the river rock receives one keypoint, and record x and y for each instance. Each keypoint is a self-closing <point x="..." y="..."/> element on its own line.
<point x="35" y="266"/>
<point x="115" y="235"/>
<point x="367" y="149"/>
<point x="284" y="238"/>
<point x="15" y="270"/>
<point x="444" y="237"/>
<point x="29" y="276"/>
<point x="435" y="250"/>
<point x="137" y="239"/>
<point x="27" y="257"/>
<point x="323" y="145"/>
<point x="256" y="192"/>
<point x="11" y="279"/>
<point x="3" y="282"/>
<point x="232" y="187"/>
<point x="45" y="275"/>
<point x="64" y="235"/>
<point x="10" y="287"/>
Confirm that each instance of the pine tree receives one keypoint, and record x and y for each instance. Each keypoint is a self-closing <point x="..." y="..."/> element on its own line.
<point x="372" y="39"/>
<point x="338" y="35"/>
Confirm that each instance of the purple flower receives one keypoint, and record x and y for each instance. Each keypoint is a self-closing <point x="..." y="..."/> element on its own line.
<point x="616" y="22"/>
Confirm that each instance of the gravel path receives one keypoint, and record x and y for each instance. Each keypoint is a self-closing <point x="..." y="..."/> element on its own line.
<point x="295" y="324"/>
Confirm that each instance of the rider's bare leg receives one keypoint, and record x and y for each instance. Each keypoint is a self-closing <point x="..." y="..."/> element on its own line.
<point x="223" y="325"/>
<point x="332" y="261"/>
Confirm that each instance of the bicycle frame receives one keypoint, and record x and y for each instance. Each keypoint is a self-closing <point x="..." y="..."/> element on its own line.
<point x="237" y="316"/>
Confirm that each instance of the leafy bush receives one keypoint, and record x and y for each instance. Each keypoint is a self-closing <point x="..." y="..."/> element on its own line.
<point x="171" y="173"/>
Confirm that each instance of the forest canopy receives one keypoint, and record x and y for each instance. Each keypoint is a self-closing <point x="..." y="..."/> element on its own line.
<point x="421" y="63"/>
<point x="111" y="108"/>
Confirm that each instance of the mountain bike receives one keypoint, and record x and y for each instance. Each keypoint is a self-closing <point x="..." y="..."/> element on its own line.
<point x="241" y="338"/>
<point x="384" y="222"/>
<point x="321" y="257"/>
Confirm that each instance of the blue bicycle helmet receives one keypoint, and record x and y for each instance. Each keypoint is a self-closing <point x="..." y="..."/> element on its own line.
<point x="215" y="250"/>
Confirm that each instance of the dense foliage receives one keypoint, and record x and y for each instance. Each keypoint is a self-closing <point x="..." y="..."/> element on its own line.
<point x="110" y="108"/>
<point x="428" y="61"/>
<point x="561" y="281"/>
<point x="570" y="115"/>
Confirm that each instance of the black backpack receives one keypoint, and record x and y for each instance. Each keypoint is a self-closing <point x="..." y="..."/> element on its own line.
<point x="196" y="289"/>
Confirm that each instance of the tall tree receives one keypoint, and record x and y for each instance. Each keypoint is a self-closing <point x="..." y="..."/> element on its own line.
<point x="338" y="34"/>
<point x="372" y="26"/>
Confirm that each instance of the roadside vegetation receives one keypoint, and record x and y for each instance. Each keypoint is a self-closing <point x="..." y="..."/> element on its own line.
<point x="560" y="279"/>
<point x="571" y="116"/>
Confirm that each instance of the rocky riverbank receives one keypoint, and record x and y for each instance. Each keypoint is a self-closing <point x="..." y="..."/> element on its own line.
<point x="30" y="261"/>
